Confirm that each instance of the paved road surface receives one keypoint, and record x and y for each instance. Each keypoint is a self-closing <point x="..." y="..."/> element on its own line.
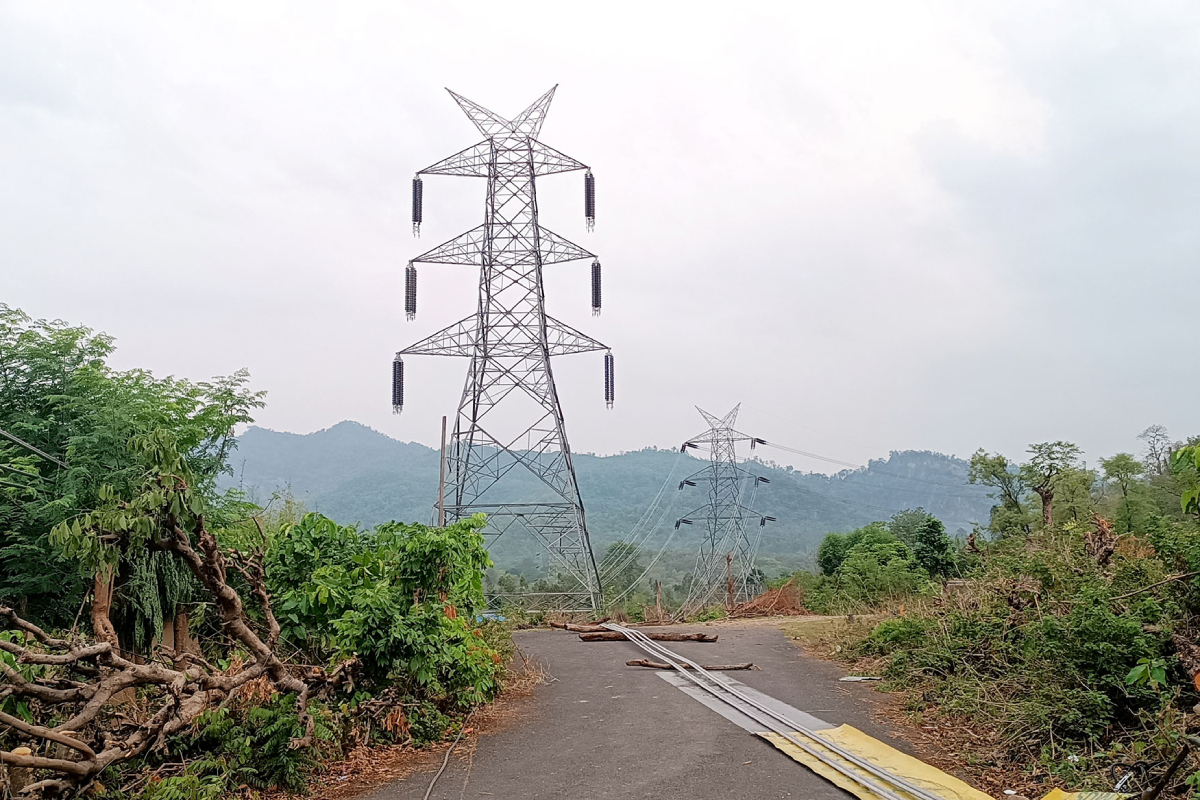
<point x="604" y="730"/>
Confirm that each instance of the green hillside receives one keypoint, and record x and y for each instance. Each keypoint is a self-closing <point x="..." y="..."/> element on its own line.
<point x="355" y="474"/>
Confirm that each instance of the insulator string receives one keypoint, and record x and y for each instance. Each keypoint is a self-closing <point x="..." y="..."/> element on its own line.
<point x="418" y="201"/>
<point x="397" y="384"/>
<point x="609" y="380"/>
<point x="596" y="288"/>
<point x="410" y="292"/>
<point x="589" y="200"/>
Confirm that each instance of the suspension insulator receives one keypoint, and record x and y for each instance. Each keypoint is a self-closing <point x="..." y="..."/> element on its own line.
<point x="410" y="292"/>
<point x="589" y="200"/>
<point x="609" y="380"/>
<point x="596" y="288"/>
<point x="418" y="203"/>
<point x="397" y="384"/>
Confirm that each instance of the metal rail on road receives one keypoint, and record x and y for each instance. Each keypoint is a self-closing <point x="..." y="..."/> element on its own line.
<point x="779" y="724"/>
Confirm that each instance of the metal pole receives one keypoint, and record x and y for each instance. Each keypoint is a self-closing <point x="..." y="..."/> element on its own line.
<point x="442" y="480"/>
<point x="729" y="581"/>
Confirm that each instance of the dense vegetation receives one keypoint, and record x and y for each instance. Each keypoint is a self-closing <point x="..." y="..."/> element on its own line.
<point x="181" y="641"/>
<point x="1067" y="626"/>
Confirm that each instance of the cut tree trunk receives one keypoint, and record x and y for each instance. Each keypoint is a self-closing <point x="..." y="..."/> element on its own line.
<point x="1047" y="496"/>
<point x="102" y="596"/>
<point x="184" y="643"/>
<point x="617" y="636"/>
<point x="645" y="662"/>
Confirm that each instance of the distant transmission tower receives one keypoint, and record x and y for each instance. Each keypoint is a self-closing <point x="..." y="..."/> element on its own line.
<point x="725" y="562"/>
<point x="509" y="415"/>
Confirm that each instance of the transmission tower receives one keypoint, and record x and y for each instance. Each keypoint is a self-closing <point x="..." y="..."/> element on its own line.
<point x="509" y="416"/>
<point x="726" y="553"/>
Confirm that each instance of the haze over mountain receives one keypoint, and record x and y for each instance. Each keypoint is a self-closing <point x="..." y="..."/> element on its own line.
<point x="352" y="473"/>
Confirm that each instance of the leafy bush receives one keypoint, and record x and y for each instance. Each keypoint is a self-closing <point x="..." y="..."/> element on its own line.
<point x="869" y="567"/>
<point x="400" y="598"/>
<point x="1038" y="646"/>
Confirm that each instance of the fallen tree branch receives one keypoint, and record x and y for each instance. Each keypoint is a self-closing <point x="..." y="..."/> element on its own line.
<point x="617" y="636"/>
<point x="96" y="672"/>
<point x="1171" y="579"/>
<point x="645" y="662"/>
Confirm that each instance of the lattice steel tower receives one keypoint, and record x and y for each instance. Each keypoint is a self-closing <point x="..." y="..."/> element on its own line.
<point x="724" y="515"/>
<point x="509" y="416"/>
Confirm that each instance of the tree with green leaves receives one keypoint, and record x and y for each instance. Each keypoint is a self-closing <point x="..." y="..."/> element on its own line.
<point x="1074" y="494"/>
<point x="997" y="472"/>
<point x="1044" y="470"/>
<point x="905" y="524"/>
<point x="932" y="548"/>
<point x="58" y="393"/>
<point x="836" y="546"/>
<point x="1125" y="471"/>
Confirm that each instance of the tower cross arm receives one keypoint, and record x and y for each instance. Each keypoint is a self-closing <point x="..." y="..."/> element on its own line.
<point x="466" y="248"/>
<point x="472" y="162"/>
<point x="556" y="249"/>
<point x="457" y="340"/>
<point x="564" y="340"/>
<point x="548" y="161"/>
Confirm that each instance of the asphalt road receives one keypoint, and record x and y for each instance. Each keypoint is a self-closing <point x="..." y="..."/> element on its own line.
<point x="604" y="730"/>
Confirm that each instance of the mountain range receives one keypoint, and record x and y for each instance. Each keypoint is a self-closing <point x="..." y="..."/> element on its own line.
<point x="352" y="473"/>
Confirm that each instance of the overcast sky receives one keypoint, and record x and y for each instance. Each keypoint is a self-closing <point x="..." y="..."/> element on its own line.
<point x="877" y="225"/>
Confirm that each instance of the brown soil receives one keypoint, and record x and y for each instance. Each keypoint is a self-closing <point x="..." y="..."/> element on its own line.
<point x="786" y="601"/>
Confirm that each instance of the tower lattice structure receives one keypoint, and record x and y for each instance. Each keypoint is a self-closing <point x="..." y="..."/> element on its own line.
<point x="727" y="550"/>
<point x="509" y="417"/>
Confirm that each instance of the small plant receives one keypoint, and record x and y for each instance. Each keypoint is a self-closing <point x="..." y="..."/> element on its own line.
<point x="1150" y="672"/>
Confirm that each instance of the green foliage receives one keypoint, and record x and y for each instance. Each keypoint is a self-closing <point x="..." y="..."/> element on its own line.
<point x="1045" y="645"/>
<point x="58" y="393"/>
<point x="835" y="547"/>
<point x="866" y="568"/>
<point x="248" y="746"/>
<point x="1149" y="671"/>
<point x="932" y="548"/>
<point x="1010" y="515"/>
<point x="905" y="524"/>
<point x="399" y="598"/>
<point x="1185" y="464"/>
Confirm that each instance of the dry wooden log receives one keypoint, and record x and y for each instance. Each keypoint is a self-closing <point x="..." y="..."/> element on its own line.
<point x="586" y="627"/>
<point x="645" y="662"/>
<point x="617" y="636"/>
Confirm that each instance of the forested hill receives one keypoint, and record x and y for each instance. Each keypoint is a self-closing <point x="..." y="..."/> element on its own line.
<point x="352" y="473"/>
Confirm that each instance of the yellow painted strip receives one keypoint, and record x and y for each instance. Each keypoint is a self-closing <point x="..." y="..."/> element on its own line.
<point x="912" y="770"/>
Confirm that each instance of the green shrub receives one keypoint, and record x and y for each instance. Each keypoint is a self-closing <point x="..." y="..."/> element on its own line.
<point x="246" y="745"/>
<point x="402" y="599"/>
<point x="891" y="634"/>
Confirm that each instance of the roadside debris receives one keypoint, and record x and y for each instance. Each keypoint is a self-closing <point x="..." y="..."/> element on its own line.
<point x="616" y="636"/>
<point x="645" y="662"/>
<point x="785" y="601"/>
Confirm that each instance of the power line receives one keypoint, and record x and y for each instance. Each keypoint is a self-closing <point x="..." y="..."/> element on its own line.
<point x="31" y="448"/>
